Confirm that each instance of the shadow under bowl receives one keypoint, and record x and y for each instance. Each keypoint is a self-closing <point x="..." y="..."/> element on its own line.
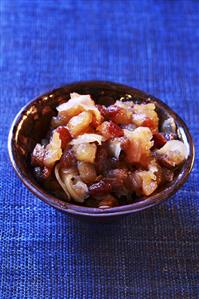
<point x="32" y="122"/>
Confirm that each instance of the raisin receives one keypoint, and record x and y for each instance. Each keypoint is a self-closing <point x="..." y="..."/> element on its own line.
<point x="102" y="110"/>
<point x="100" y="188"/>
<point x="112" y="110"/>
<point x="68" y="159"/>
<point x="101" y="159"/>
<point x="115" y="130"/>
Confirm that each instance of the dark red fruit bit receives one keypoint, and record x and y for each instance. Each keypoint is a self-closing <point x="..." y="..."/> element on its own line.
<point x="150" y="124"/>
<point x="112" y="110"/>
<point x="100" y="188"/>
<point x="37" y="157"/>
<point x="125" y="143"/>
<point x="102" y="109"/>
<point x="159" y="140"/>
<point x="115" y="130"/>
<point x="101" y="160"/>
<point x="118" y="115"/>
<point x="68" y="159"/>
<point x="64" y="135"/>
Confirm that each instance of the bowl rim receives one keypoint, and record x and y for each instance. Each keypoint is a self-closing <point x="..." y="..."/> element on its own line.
<point x="98" y="212"/>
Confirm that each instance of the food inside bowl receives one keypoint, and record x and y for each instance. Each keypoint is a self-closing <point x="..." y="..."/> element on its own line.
<point x="104" y="156"/>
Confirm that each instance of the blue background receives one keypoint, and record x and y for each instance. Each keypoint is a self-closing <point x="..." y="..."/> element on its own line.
<point x="151" y="45"/>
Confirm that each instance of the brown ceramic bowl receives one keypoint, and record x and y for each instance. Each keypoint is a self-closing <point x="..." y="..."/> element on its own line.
<point x="30" y="125"/>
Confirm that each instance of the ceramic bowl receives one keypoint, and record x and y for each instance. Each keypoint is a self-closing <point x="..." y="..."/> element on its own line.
<point x="31" y="123"/>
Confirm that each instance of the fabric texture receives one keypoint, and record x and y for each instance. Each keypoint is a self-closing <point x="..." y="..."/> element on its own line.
<point x="151" y="45"/>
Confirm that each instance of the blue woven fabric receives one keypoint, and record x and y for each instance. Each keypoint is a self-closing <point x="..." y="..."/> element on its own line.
<point x="151" y="45"/>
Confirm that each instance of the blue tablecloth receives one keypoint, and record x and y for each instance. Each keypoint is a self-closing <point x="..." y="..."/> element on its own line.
<point x="151" y="45"/>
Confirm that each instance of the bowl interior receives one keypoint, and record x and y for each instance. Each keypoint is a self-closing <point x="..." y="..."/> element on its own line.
<point x="32" y="122"/>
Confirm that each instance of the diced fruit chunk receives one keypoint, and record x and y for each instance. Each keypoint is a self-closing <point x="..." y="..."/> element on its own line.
<point x="80" y="123"/>
<point x="149" y="183"/>
<point x="64" y="116"/>
<point x="173" y="153"/>
<point x="145" y="115"/>
<point x="143" y="182"/>
<point x="138" y="149"/>
<point x="85" y="152"/>
<point x="53" y="150"/>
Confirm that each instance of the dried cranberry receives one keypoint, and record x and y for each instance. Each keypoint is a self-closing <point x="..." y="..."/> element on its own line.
<point x="102" y="110"/>
<point x="112" y="110"/>
<point x="64" y="135"/>
<point x="150" y="124"/>
<point x="102" y="159"/>
<point x="68" y="158"/>
<point x="115" y="130"/>
<point x="100" y="188"/>
<point x="109" y="130"/>
<point x="125" y="143"/>
<point x="159" y="140"/>
<point x="118" y="115"/>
